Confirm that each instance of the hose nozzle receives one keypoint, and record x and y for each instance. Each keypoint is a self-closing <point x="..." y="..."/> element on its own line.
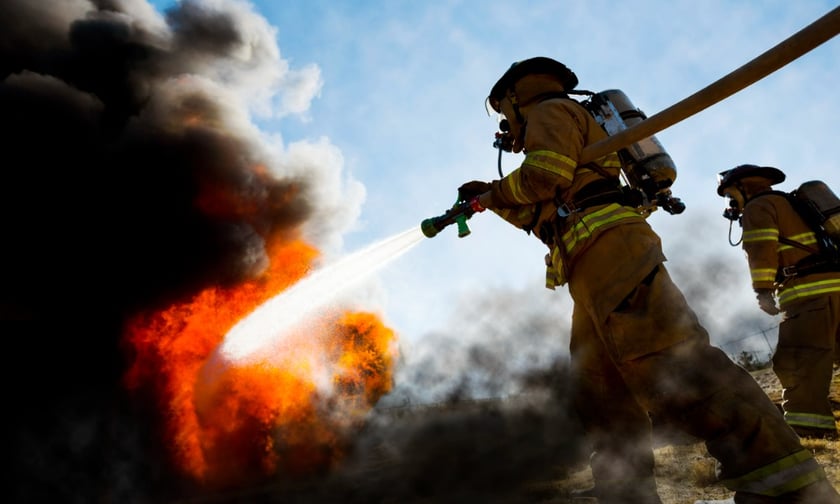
<point x="431" y="227"/>
<point x="458" y="214"/>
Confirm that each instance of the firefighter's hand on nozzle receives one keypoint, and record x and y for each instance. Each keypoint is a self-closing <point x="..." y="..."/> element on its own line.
<point x="470" y="190"/>
<point x="766" y="301"/>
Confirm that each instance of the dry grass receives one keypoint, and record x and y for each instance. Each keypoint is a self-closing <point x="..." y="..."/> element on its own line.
<point x="686" y="472"/>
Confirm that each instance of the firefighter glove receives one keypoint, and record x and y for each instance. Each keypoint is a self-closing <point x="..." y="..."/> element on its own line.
<point x="472" y="189"/>
<point x="766" y="301"/>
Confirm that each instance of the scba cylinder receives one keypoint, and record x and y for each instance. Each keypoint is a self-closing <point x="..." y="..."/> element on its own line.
<point x="646" y="163"/>
<point x="825" y="202"/>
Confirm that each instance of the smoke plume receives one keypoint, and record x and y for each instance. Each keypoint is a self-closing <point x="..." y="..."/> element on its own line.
<point x="134" y="177"/>
<point x="138" y="195"/>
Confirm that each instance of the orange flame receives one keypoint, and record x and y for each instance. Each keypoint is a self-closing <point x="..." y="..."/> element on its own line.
<point x="224" y="426"/>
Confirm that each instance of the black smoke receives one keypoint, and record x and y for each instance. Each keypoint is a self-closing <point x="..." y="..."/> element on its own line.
<point x="462" y="450"/>
<point x="133" y="177"/>
<point x="123" y="176"/>
<point x="130" y="179"/>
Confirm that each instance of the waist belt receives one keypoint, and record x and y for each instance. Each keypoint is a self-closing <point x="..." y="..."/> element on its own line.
<point x="807" y="266"/>
<point x="600" y="192"/>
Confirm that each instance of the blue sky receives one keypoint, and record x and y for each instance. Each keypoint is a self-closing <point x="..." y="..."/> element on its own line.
<point x="390" y="96"/>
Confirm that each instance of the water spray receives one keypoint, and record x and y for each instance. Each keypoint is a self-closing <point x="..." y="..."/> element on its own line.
<point x="458" y="214"/>
<point x="301" y="304"/>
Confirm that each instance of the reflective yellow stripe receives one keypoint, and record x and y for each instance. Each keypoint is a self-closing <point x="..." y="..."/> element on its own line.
<point x="808" y="238"/>
<point x="551" y="280"/>
<point x="512" y="183"/>
<point x="763" y="274"/>
<point x="609" y="161"/>
<point x="804" y="290"/>
<point x="552" y="162"/>
<point x="555" y="274"/>
<point x="810" y="420"/>
<point x="804" y="238"/>
<point x="765" y="234"/>
<point x="785" y="475"/>
<point x="591" y="222"/>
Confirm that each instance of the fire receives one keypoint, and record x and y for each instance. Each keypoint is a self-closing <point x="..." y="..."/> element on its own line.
<point x="290" y="415"/>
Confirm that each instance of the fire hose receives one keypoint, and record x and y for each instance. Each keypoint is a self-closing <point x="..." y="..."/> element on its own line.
<point x="798" y="44"/>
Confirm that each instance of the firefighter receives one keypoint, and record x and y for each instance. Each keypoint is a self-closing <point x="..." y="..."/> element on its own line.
<point x="637" y="348"/>
<point x="775" y="239"/>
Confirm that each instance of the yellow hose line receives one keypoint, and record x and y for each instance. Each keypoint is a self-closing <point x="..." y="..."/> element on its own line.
<point x="788" y="50"/>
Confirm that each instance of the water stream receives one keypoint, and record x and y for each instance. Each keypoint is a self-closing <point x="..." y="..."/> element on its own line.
<point x="269" y="322"/>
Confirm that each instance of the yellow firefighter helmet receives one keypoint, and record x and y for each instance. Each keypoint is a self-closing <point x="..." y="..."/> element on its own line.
<point x="728" y="178"/>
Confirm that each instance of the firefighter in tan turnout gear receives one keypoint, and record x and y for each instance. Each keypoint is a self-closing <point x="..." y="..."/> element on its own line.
<point x="637" y="347"/>
<point x="785" y="262"/>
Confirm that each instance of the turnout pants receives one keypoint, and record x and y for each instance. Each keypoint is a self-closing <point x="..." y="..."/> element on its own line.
<point x="652" y="356"/>
<point x="804" y="361"/>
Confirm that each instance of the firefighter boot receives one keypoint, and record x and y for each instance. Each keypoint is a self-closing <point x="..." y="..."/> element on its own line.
<point x="820" y="492"/>
<point x="637" y="492"/>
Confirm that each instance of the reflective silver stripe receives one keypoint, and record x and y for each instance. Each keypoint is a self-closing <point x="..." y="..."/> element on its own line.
<point x="785" y="475"/>
<point x="810" y="420"/>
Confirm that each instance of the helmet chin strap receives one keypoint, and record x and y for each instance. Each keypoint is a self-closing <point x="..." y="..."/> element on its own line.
<point x="514" y="102"/>
<point x="738" y="185"/>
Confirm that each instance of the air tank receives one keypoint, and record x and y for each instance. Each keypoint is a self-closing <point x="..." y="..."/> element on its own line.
<point x="821" y="198"/>
<point x="646" y="163"/>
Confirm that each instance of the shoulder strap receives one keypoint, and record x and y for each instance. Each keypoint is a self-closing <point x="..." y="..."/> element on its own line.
<point x="826" y="248"/>
<point x="796" y="244"/>
<point x="787" y="196"/>
<point x="550" y="95"/>
<point x="797" y="208"/>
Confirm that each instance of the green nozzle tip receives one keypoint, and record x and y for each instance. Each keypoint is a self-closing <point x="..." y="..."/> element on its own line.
<point x="428" y="228"/>
<point x="463" y="229"/>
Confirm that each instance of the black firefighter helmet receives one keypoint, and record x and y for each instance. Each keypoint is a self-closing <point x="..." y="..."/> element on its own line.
<point x="537" y="65"/>
<point x="729" y="177"/>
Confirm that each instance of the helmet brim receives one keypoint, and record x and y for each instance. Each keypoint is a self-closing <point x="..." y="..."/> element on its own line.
<point x="538" y="65"/>
<point x="728" y="178"/>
